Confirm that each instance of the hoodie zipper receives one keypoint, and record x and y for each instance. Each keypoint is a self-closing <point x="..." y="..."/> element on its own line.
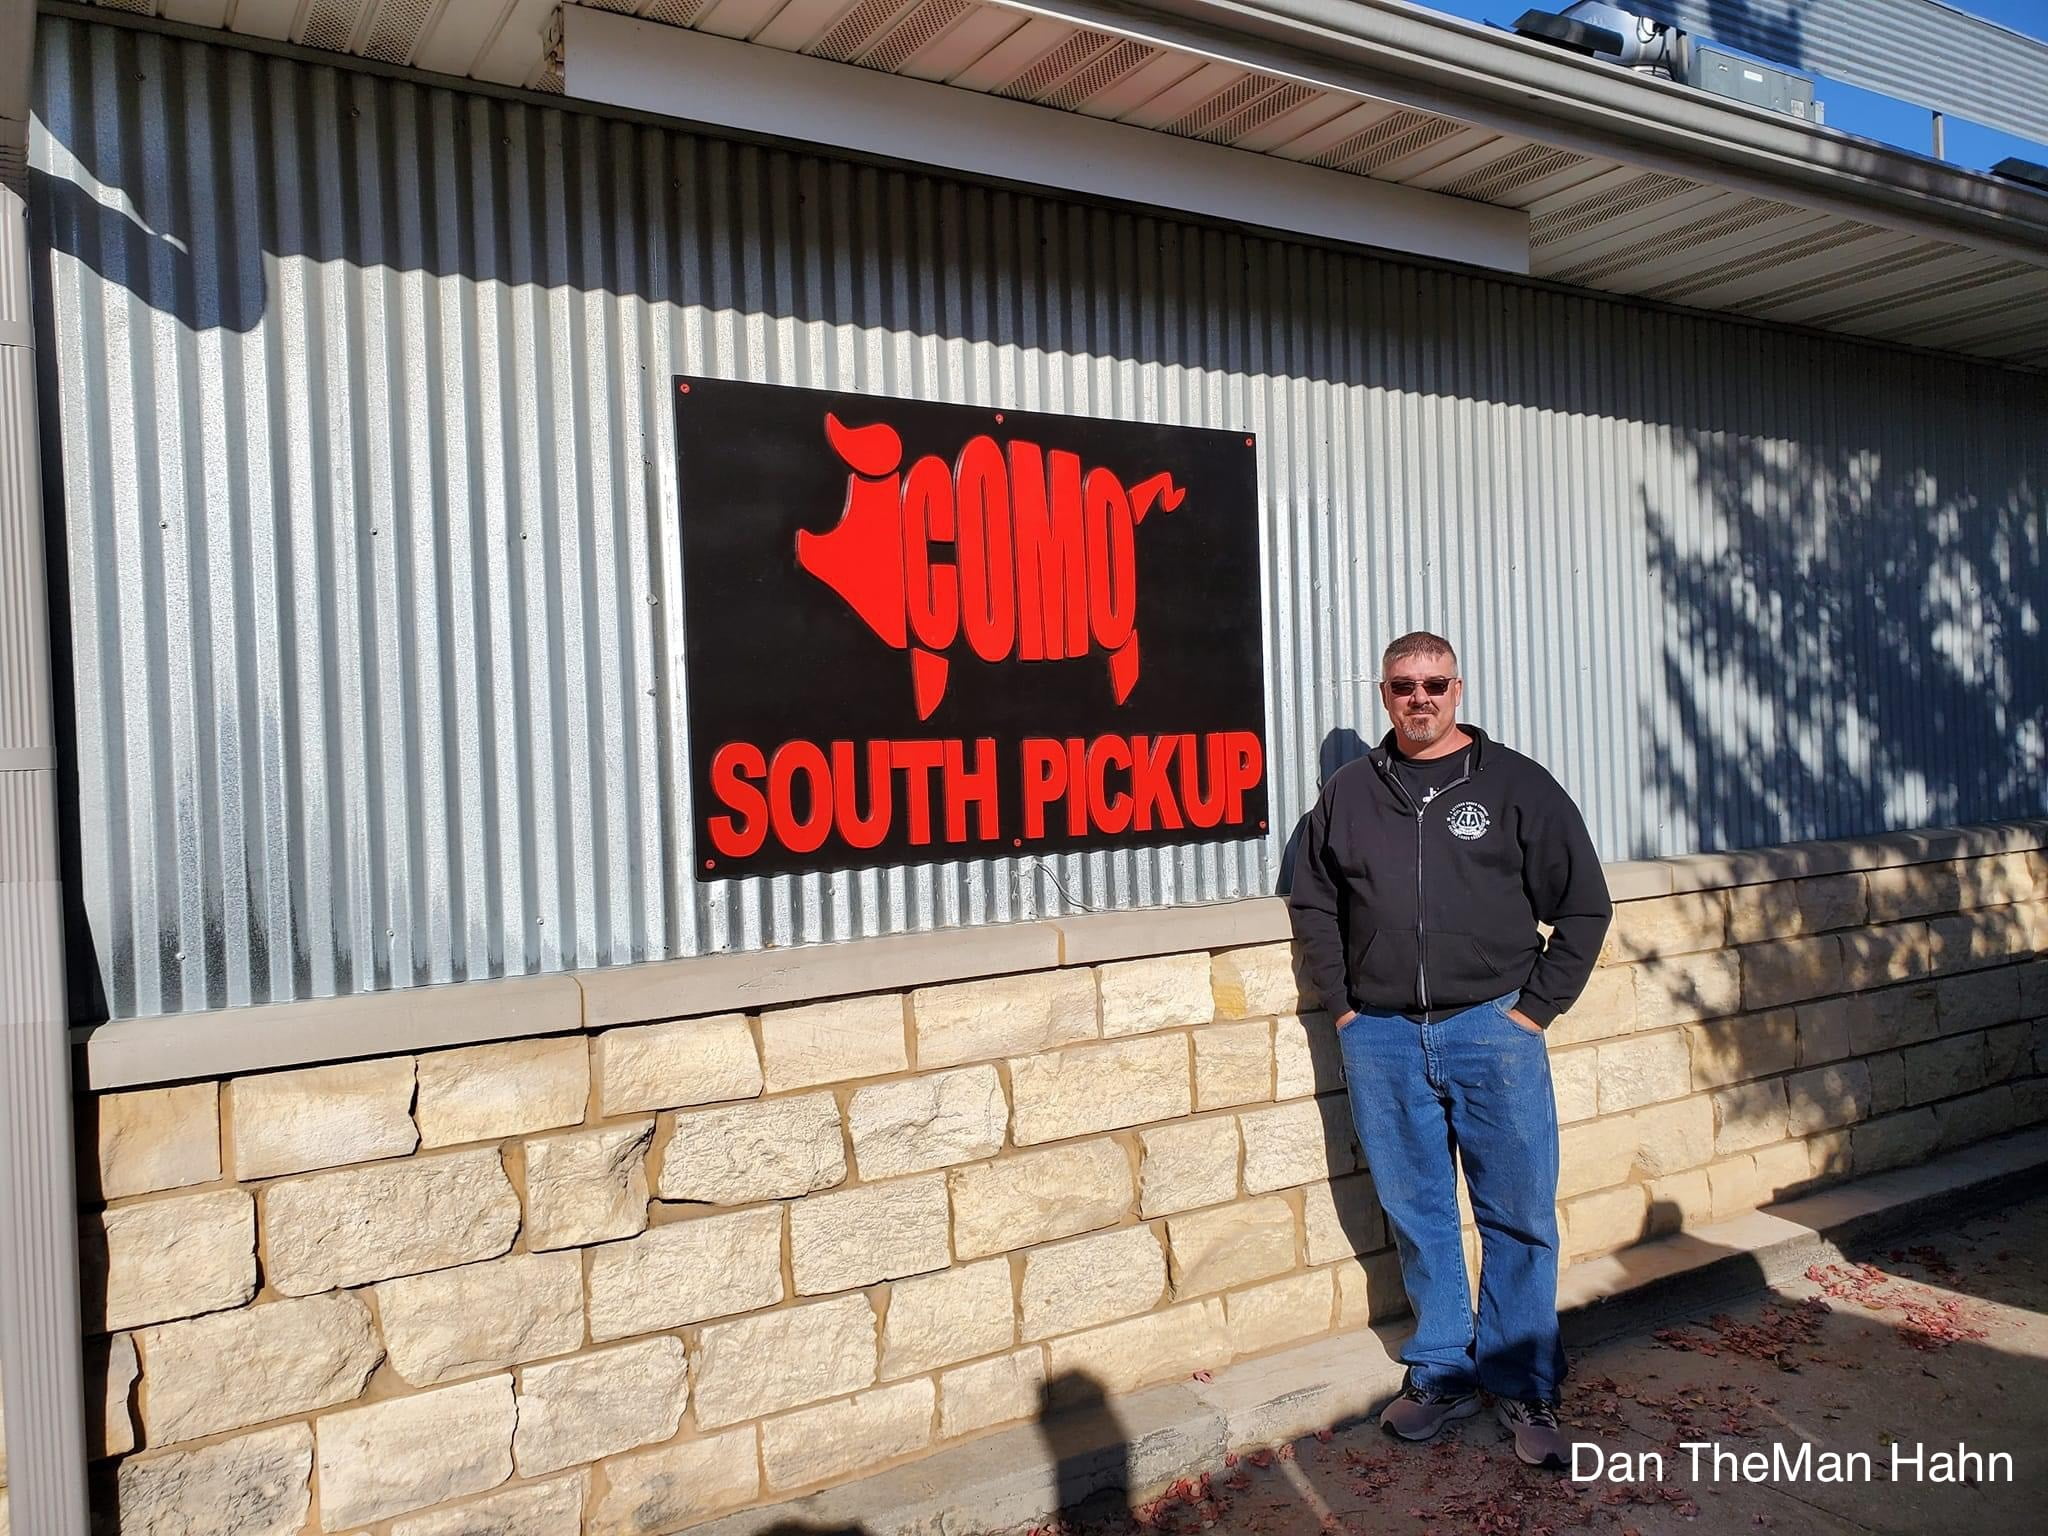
<point x="1421" y="927"/>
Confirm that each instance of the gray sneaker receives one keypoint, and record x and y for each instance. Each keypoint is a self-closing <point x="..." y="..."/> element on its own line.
<point x="1538" y="1440"/>
<point x="1418" y="1413"/>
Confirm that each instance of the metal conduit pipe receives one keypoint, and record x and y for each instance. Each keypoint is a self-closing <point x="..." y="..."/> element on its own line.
<point x="41" y="1362"/>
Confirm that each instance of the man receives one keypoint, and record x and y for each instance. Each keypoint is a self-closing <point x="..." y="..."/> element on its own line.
<point x="1423" y="873"/>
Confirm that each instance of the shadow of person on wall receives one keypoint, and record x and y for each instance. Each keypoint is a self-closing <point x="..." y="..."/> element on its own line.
<point x="1341" y="746"/>
<point x="1090" y="1449"/>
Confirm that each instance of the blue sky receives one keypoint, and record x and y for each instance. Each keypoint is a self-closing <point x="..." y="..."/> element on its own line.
<point x="1849" y="108"/>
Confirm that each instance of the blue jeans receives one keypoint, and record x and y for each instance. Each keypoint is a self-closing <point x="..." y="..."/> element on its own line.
<point x="1471" y="1087"/>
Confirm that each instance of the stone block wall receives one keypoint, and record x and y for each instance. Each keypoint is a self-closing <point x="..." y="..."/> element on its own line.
<point x="610" y="1283"/>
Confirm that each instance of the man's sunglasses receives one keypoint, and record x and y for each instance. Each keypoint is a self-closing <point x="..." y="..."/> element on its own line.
<point x="1401" y="687"/>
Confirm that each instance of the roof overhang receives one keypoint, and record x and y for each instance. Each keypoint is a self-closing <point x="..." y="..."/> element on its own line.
<point x="1624" y="183"/>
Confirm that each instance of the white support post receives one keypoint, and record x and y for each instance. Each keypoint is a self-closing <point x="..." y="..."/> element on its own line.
<point x="40" y="1341"/>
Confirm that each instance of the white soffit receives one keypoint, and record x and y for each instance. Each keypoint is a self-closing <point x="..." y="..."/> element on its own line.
<point x="625" y="62"/>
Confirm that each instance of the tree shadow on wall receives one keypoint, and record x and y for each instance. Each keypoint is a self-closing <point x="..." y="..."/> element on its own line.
<point x="1854" y="642"/>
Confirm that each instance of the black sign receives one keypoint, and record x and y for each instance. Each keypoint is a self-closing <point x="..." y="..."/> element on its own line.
<point x="919" y="632"/>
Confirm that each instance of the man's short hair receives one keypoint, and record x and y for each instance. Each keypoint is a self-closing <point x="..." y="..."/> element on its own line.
<point x="1417" y="643"/>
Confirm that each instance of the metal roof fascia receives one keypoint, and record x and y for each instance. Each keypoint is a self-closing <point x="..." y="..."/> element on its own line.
<point x="1401" y="53"/>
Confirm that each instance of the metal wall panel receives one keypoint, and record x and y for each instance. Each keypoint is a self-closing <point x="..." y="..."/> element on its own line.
<point x="1936" y="56"/>
<point x="357" y="391"/>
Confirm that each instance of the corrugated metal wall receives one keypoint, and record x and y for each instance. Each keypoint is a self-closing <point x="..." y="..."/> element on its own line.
<point x="358" y="390"/>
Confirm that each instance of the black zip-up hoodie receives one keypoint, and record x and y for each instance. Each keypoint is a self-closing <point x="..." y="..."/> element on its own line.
<point x="1426" y="910"/>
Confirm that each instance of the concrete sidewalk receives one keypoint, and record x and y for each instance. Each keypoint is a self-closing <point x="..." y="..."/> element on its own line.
<point x="1878" y="1314"/>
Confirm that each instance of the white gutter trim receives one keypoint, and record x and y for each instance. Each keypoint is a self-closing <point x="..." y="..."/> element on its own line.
<point x="1399" y="53"/>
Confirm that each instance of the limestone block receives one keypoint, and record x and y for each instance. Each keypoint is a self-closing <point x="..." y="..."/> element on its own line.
<point x="1667" y="925"/>
<point x="1121" y="1357"/>
<point x="1678" y="1201"/>
<point x="856" y="1434"/>
<point x="1369" y="1290"/>
<point x="1895" y="1141"/>
<point x="1827" y="1155"/>
<point x="1966" y="940"/>
<point x="1165" y="992"/>
<point x="1673" y="1137"/>
<point x="320" y="1117"/>
<point x="1035" y="1197"/>
<point x="781" y="1359"/>
<point x="928" y="1122"/>
<point x="587" y="1186"/>
<point x="1188" y="1164"/>
<point x="875" y="1232"/>
<point x="1644" y="1069"/>
<point x="356" y="1225"/>
<point x="1749" y="1115"/>
<point x="832" y="1042"/>
<point x="482" y="1317"/>
<point x="1307" y="1058"/>
<point x="652" y="1493"/>
<point x="1280" y="1312"/>
<point x="938" y="1320"/>
<point x="1995" y="878"/>
<point x="2033" y="984"/>
<point x="1575" y="1083"/>
<point x="256" y="1485"/>
<point x="1342" y="1218"/>
<point x="1826" y="1097"/>
<point x="1681" y="989"/>
<point x="1942" y="1068"/>
<point x="1231" y="1246"/>
<point x="1259" y="982"/>
<point x="111" y="1366"/>
<point x="1912" y="890"/>
<point x="1978" y="1000"/>
<point x="1784" y="1170"/>
<point x="1788" y="970"/>
<point x="1974" y="1116"/>
<point x="1003" y="1016"/>
<point x="1089" y="1088"/>
<point x="1736" y="1186"/>
<point x="1594" y="1154"/>
<point x="1606" y="1008"/>
<point x="1827" y="1029"/>
<point x="1233" y="1064"/>
<point x="598" y="1404"/>
<point x="1091" y="1280"/>
<point x="681" y="1062"/>
<point x="768" y="1149"/>
<point x="2030" y="1100"/>
<point x="992" y="1392"/>
<point x="2033" y="930"/>
<point x="2008" y="1051"/>
<point x="1898" y="1016"/>
<point x="1603" y="1222"/>
<point x="541" y="1509"/>
<point x="234" y="1369"/>
<point x="1887" y="1081"/>
<point x="408" y="1452"/>
<point x="686" y="1271"/>
<point x="166" y="1259"/>
<point x="152" y="1139"/>
<point x="483" y="1092"/>
<point x="1307" y="1141"/>
<point x="1789" y="908"/>
<point x="1871" y="957"/>
<point x="1735" y="1050"/>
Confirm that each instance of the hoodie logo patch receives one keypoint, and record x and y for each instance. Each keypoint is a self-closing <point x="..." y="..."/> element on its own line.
<point x="1468" y="819"/>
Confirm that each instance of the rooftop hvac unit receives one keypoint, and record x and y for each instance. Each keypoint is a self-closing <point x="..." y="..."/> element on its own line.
<point x="1653" y="47"/>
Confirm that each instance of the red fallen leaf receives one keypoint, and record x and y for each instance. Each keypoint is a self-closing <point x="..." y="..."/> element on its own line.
<point x="1204" y="1376"/>
<point x="1325" y="1436"/>
<point x="1285" y="1453"/>
<point x="1262" y="1459"/>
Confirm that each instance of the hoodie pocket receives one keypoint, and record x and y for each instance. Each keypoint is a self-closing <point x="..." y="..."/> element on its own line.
<point x="1383" y="969"/>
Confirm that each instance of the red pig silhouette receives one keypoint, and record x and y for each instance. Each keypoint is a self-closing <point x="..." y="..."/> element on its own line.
<point x="1044" y="555"/>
